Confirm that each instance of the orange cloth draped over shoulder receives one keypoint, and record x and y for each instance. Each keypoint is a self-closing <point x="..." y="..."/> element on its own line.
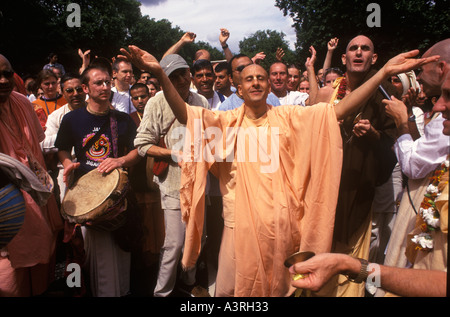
<point x="35" y="242"/>
<point x="286" y="209"/>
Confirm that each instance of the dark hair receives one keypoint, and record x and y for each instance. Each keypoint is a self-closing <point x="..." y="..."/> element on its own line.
<point x="221" y="66"/>
<point x="230" y="69"/>
<point x="43" y="75"/>
<point x="66" y="77"/>
<point x="201" y="64"/>
<point x="140" y="85"/>
<point x="102" y="62"/>
<point x="50" y="56"/>
<point x="85" y="75"/>
<point x="333" y="70"/>
<point x="117" y="61"/>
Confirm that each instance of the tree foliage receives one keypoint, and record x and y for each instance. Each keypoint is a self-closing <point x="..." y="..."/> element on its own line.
<point x="30" y="30"/>
<point x="405" y="24"/>
<point x="267" y="41"/>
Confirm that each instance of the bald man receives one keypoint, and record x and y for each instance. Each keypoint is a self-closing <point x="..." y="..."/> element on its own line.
<point x="368" y="135"/>
<point x="273" y="202"/>
<point x="432" y="75"/>
<point x="25" y="261"/>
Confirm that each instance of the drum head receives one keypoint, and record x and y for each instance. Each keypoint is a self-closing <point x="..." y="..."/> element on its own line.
<point x="89" y="192"/>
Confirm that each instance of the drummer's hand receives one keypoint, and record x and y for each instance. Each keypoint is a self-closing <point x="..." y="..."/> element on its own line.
<point x="110" y="164"/>
<point x="68" y="169"/>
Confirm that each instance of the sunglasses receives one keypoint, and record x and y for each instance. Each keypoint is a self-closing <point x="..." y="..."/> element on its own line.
<point x="71" y="90"/>
<point x="6" y="73"/>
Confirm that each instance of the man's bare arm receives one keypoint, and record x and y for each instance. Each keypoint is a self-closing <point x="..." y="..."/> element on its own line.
<point x="318" y="270"/>
<point x="187" y="37"/>
<point x="145" y="61"/>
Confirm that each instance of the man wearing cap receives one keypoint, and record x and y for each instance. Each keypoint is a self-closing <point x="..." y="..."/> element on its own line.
<point x="159" y="122"/>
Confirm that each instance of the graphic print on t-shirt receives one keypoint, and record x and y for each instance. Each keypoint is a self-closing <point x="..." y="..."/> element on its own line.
<point x="99" y="150"/>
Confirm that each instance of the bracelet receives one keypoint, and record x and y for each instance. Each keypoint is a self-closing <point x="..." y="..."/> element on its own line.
<point x="226" y="46"/>
<point x="412" y="118"/>
<point x="363" y="272"/>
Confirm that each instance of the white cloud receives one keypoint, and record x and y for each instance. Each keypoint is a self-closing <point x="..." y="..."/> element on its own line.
<point x="205" y="18"/>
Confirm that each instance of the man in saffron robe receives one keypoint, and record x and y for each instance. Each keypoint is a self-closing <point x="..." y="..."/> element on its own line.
<point x="25" y="263"/>
<point x="283" y="201"/>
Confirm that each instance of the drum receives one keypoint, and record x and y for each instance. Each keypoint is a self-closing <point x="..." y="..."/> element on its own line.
<point x="98" y="200"/>
<point x="12" y="213"/>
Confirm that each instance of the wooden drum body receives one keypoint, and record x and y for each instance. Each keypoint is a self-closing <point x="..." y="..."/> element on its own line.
<point x="98" y="200"/>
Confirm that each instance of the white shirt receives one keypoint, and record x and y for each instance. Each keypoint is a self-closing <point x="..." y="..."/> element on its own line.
<point x="420" y="157"/>
<point x="294" y="98"/>
<point x="214" y="102"/>
<point x="52" y="127"/>
<point x="122" y="101"/>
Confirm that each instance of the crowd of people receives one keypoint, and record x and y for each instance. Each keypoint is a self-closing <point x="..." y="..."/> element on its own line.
<point x="345" y="161"/>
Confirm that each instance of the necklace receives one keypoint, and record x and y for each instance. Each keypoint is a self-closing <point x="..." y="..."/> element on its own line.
<point x="430" y="218"/>
<point x="342" y="90"/>
<point x="96" y="113"/>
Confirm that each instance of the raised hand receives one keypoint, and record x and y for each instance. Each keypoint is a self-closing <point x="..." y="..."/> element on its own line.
<point x="223" y="37"/>
<point x="332" y="44"/>
<point x="188" y="37"/>
<point x="258" y="57"/>
<point x="280" y="54"/>
<point x="141" y="59"/>
<point x="405" y="62"/>
<point x="311" y="60"/>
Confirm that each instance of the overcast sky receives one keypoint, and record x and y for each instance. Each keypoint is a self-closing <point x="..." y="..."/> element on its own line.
<point x="205" y="18"/>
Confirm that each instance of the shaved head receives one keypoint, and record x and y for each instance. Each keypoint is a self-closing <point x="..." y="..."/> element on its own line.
<point x="432" y="75"/>
<point x="6" y="79"/>
<point x="358" y="39"/>
<point x="442" y="49"/>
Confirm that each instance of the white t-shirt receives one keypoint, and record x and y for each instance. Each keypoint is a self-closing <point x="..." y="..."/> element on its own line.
<point x="121" y="101"/>
<point x="294" y="98"/>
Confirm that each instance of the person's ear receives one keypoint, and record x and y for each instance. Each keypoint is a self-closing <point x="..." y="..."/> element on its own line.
<point x="374" y="58"/>
<point x="85" y="88"/>
<point x="343" y="58"/>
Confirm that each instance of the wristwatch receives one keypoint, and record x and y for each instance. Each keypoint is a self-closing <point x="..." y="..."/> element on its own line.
<point x="363" y="272"/>
<point x="412" y="118"/>
<point x="225" y="46"/>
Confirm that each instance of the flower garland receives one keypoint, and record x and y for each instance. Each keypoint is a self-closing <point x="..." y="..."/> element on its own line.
<point x="428" y="211"/>
<point x="341" y="90"/>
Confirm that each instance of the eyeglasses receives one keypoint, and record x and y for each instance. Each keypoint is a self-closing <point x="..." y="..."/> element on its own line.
<point x="102" y="82"/>
<point x="6" y="73"/>
<point x="71" y="90"/>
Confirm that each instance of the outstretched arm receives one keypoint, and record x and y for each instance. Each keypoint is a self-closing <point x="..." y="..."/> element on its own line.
<point x="187" y="37"/>
<point x="398" y="64"/>
<point x="331" y="46"/>
<point x="223" y="38"/>
<point x="313" y="86"/>
<point x="145" y="61"/>
<point x="400" y="281"/>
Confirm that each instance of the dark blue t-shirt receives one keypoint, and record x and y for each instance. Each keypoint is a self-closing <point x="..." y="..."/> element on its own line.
<point x="79" y="126"/>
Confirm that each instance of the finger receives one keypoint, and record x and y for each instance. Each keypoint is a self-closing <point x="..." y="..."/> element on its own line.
<point x="410" y="53"/>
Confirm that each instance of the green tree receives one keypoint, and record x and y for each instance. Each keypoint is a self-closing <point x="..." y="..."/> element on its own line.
<point x="267" y="41"/>
<point x="405" y="24"/>
<point x="30" y="30"/>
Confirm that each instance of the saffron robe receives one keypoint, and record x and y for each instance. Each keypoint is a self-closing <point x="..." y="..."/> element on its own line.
<point x="295" y="201"/>
<point x="35" y="243"/>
